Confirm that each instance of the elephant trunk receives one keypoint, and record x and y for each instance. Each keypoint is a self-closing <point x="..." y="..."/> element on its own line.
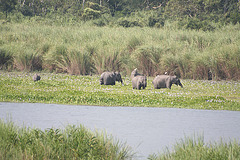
<point x="122" y="82"/>
<point x="180" y="84"/>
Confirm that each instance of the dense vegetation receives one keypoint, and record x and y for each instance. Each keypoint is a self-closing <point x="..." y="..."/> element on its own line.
<point x="77" y="142"/>
<point x="86" y="90"/>
<point x="195" y="13"/>
<point x="73" y="142"/>
<point x="195" y="148"/>
<point x="84" y="49"/>
<point x="191" y="39"/>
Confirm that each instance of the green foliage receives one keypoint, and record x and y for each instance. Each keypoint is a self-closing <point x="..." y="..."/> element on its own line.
<point x="73" y="142"/>
<point x="91" y="14"/>
<point x="195" y="148"/>
<point x="86" y="90"/>
<point x="5" y="59"/>
<point x="28" y="61"/>
<point x="86" y="49"/>
<point x="197" y="14"/>
<point x="7" y="6"/>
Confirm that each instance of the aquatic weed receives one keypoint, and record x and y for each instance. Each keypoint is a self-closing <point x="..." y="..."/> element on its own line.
<point x="86" y="90"/>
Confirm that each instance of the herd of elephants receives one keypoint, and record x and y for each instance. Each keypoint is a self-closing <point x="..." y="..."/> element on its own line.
<point x="139" y="81"/>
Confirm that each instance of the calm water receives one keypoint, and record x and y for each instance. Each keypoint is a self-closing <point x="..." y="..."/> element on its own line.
<point x="146" y="130"/>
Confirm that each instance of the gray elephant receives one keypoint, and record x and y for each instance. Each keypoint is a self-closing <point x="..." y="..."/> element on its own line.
<point x="36" y="77"/>
<point x="165" y="81"/>
<point x="109" y="78"/>
<point x="135" y="73"/>
<point x="139" y="82"/>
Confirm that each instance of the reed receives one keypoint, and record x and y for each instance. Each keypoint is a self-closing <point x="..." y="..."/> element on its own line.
<point x="73" y="142"/>
<point x="196" y="148"/>
<point x="92" y="50"/>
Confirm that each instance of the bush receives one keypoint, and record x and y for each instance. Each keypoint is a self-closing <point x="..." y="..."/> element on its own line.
<point x="89" y="14"/>
<point x="197" y="24"/>
<point x="128" y="22"/>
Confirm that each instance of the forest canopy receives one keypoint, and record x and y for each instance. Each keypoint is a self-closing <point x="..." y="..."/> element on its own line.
<point x="191" y="14"/>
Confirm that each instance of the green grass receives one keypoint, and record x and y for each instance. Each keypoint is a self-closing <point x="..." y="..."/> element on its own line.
<point x="73" y="142"/>
<point x="86" y="90"/>
<point x="77" y="142"/>
<point x="86" y="49"/>
<point x="195" y="148"/>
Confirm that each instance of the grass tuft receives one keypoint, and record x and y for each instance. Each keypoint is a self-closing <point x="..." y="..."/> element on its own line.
<point x="73" y="142"/>
<point x="195" y="148"/>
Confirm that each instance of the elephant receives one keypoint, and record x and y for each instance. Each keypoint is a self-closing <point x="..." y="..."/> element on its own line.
<point x="109" y="78"/>
<point x="165" y="81"/>
<point x="135" y="73"/>
<point x="139" y="82"/>
<point x="36" y="77"/>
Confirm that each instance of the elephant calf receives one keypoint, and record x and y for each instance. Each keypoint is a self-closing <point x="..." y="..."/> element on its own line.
<point x="36" y="78"/>
<point x="165" y="81"/>
<point x="139" y="82"/>
<point x="109" y="78"/>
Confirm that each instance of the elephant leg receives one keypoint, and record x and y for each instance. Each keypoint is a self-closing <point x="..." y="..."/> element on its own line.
<point x="139" y="86"/>
<point x="101" y="81"/>
<point x="169" y="86"/>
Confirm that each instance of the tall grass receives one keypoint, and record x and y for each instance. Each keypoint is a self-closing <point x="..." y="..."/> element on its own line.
<point x="73" y="142"/>
<point x="87" y="49"/>
<point x="195" y="148"/>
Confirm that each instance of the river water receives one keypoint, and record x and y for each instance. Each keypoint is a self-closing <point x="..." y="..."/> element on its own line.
<point x="146" y="130"/>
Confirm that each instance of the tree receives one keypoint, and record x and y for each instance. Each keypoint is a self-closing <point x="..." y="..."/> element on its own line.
<point x="7" y="5"/>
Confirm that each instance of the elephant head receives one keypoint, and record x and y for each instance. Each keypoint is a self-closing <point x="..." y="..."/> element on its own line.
<point x="176" y="81"/>
<point x="165" y="81"/>
<point x="118" y="77"/>
<point x="139" y="82"/>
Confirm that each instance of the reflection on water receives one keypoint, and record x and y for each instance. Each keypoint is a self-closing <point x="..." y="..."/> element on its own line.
<point x="147" y="130"/>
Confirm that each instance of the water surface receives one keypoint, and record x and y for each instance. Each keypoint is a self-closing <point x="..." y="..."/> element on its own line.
<point x="146" y="130"/>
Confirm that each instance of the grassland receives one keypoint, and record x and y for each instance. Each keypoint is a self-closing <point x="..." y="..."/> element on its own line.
<point x="86" y="90"/>
<point x="84" y="49"/>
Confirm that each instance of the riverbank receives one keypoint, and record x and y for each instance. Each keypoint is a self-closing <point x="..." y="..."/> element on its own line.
<point x="86" y="90"/>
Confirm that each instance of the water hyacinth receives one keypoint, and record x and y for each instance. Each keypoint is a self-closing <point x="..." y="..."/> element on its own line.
<point x="86" y="90"/>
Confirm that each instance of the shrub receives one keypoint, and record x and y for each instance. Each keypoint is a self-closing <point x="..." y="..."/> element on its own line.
<point x="128" y="22"/>
<point x="197" y="24"/>
<point x="89" y="13"/>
